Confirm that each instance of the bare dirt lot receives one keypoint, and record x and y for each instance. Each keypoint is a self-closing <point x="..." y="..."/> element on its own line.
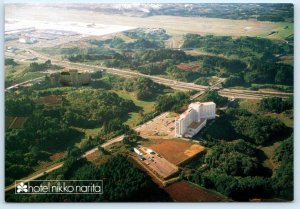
<point x="186" y="192"/>
<point x="58" y="155"/>
<point x="176" y="150"/>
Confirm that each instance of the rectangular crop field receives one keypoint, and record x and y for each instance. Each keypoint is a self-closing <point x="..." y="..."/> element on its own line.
<point x="176" y="150"/>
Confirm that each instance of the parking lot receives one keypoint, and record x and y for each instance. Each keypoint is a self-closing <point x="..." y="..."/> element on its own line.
<point x="162" y="127"/>
<point x="157" y="163"/>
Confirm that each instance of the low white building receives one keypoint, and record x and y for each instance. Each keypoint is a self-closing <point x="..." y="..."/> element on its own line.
<point x="194" y="119"/>
<point x="27" y="40"/>
<point x="11" y="49"/>
<point x="137" y="151"/>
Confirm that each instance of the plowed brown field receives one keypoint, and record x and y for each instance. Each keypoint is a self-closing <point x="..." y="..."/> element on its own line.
<point x="186" y="192"/>
<point x="175" y="150"/>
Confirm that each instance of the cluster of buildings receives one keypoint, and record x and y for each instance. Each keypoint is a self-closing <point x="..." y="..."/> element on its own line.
<point x="194" y="119"/>
<point x="31" y="35"/>
<point x="71" y="78"/>
<point x="141" y="155"/>
<point x="155" y="31"/>
<point x="27" y="40"/>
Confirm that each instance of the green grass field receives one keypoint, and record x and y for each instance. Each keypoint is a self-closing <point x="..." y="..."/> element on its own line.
<point x="286" y="118"/>
<point x="135" y="117"/>
<point x="282" y="30"/>
<point x="269" y="152"/>
<point x="250" y="105"/>
<point x="18" y="74"/>
<point x="133" y="120"/>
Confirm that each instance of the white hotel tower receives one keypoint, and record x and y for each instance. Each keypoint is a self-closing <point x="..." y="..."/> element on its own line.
<point x="194" y="119"/>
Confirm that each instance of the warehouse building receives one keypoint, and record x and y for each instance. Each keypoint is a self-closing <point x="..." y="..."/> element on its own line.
<point x="194" y="119"/>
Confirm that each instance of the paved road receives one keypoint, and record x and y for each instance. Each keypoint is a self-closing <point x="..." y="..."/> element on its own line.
<point x="25" y="82"/>
<point x="11" y="187"/>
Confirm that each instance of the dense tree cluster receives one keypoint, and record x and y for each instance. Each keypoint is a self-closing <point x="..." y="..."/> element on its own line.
<point x="88" y="54"/>
<point x="159" y="61"/>
<point x="255" y="128"/>
<point x="21" y="106"/>
<point x="237" y="188"/>
<point x="244" y="61"/>
<point x="10" y="61"/>
<point x="48" y="130"/>
<point x="213" y="96"/>
<point x="89" y="108"/>
<point x="257" y="61"/>
<point x="43" y="133"/>
<point x="122" y="182"/>
<point x="141" y="43"/>
<point x="171" y="102"/>
<point x="113" y="127"/>
<point x="243" y="46"/>
<point x="234" y="159"/>
<point x="276" y="104"/>
<point x="262" y="12"/>
<point x="88" y="57"/>
<point x="233" y="81"/>
<point x="272" y="73"/>
<point x="36" y="67"/>
<point x="283" y="176"/>
<point x="233" y="169"/>
<point x="147" y="56"/>
<point x="155" y="34"/>
<point x="145" y="88"/>
<point x="259" y="57"/>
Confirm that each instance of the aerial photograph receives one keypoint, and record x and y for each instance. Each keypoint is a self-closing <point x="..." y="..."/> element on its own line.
<point x="149" y="102"/>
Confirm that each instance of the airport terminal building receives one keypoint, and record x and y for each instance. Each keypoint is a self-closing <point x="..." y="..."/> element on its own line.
<point x="194" y="119"/>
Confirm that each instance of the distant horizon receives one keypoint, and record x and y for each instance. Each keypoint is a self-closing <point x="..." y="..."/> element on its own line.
<point x="139" y="1"/>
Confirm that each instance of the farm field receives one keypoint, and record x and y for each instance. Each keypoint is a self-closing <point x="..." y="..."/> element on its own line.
<point x="186" y="192"/>
<point x="51" y="100"/>
<point x="14" y="122"/>
<point x="175" y="150"/>
<point x="97" y="158"/>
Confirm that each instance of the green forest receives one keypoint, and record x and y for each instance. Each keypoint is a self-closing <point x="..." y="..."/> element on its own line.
<point x="244" y="61"/>
<point x="118" y="186"/>
<point x="53" y="128"/>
